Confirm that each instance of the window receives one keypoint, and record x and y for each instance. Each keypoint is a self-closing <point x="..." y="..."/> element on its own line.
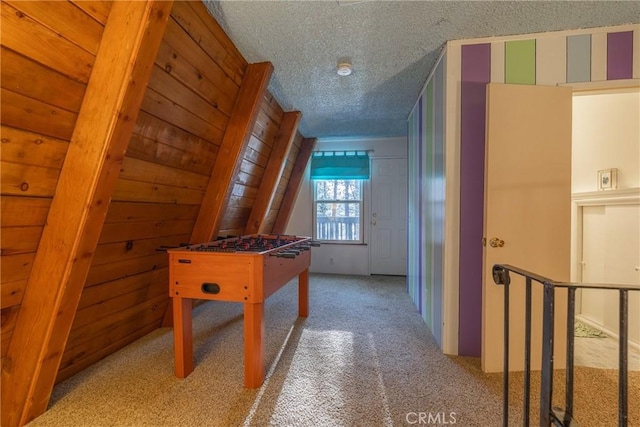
<point x="337" y="203"/>
<point x="338" y="210"/>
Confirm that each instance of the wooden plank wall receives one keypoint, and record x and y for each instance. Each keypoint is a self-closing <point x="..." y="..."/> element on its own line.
<point x="252" y="169"/>
<point x="170" y="157"/>
<point x="43" y="87"/>
<point x="283" y="183"/>
<point x="169" y="161"/>
<point x="305" y="148"/>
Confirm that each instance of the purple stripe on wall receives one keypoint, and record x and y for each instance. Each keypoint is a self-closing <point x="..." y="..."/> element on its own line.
<point x="620" y="55"/>
<point x="476" y="73"/>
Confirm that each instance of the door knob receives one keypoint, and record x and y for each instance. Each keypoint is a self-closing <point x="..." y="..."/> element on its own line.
<point x="496" y="243"/>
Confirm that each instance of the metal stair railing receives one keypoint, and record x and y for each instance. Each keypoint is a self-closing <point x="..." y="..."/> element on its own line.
<point x="548" y="414"/>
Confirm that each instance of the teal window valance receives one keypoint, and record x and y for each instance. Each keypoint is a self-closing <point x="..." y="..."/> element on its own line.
<point x="340" y="165"/>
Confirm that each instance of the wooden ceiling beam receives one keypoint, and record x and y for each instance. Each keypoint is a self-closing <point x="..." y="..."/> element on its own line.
<point x="103" y="128"/>
<point x="290" y="194"/>
<point x="273" y="172"/>
<point x="245" y="111"/>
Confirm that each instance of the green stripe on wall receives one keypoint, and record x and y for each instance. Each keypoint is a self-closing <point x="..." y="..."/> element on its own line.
<point x="520" y="62"/>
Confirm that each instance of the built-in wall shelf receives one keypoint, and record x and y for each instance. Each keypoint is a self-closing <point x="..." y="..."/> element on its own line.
<point x="626" y="196"/>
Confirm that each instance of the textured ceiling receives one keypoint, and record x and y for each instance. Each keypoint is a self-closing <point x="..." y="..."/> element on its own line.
<point x="393" y="45"/>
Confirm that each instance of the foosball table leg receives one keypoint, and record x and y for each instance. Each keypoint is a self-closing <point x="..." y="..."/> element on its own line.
<point x="253" y="345"/>
<point x="303" y="293"/>
<point x="182" y="336"/>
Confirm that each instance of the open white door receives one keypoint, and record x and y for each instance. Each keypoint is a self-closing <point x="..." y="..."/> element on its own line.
<point x="528" y="207"/>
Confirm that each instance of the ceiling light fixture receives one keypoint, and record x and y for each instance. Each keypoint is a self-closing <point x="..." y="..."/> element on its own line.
<point x="344" y="68"/>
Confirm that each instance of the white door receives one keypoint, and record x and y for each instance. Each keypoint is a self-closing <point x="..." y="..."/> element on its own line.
<point x="611" y="254"/>
<point x="528" y="207"/>
<point x="388" y="245"/>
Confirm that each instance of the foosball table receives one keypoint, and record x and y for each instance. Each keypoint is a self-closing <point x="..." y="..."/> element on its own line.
<point x="246" y="269"/>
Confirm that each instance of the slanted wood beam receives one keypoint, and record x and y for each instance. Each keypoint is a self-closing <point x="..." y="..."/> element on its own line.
<point x="104" y="125"/>
<point x="231" y="150"/>
<point x="290" y="194"/>
<point x="273" y="172"/>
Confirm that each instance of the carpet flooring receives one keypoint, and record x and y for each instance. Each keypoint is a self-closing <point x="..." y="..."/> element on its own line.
<point x="363" y="357"/>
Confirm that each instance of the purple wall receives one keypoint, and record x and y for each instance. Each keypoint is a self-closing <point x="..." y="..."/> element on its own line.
<point x="620" y="55"/>
<point x="476" y="73"/>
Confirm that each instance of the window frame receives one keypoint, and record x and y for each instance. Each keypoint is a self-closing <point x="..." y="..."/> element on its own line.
<point x="360" y="202"/>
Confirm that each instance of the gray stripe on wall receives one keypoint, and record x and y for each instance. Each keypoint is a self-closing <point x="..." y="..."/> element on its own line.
<point x="579" y="58"/>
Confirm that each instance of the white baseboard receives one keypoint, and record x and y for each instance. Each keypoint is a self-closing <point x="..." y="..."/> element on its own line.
<point x="612" y="334"/>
